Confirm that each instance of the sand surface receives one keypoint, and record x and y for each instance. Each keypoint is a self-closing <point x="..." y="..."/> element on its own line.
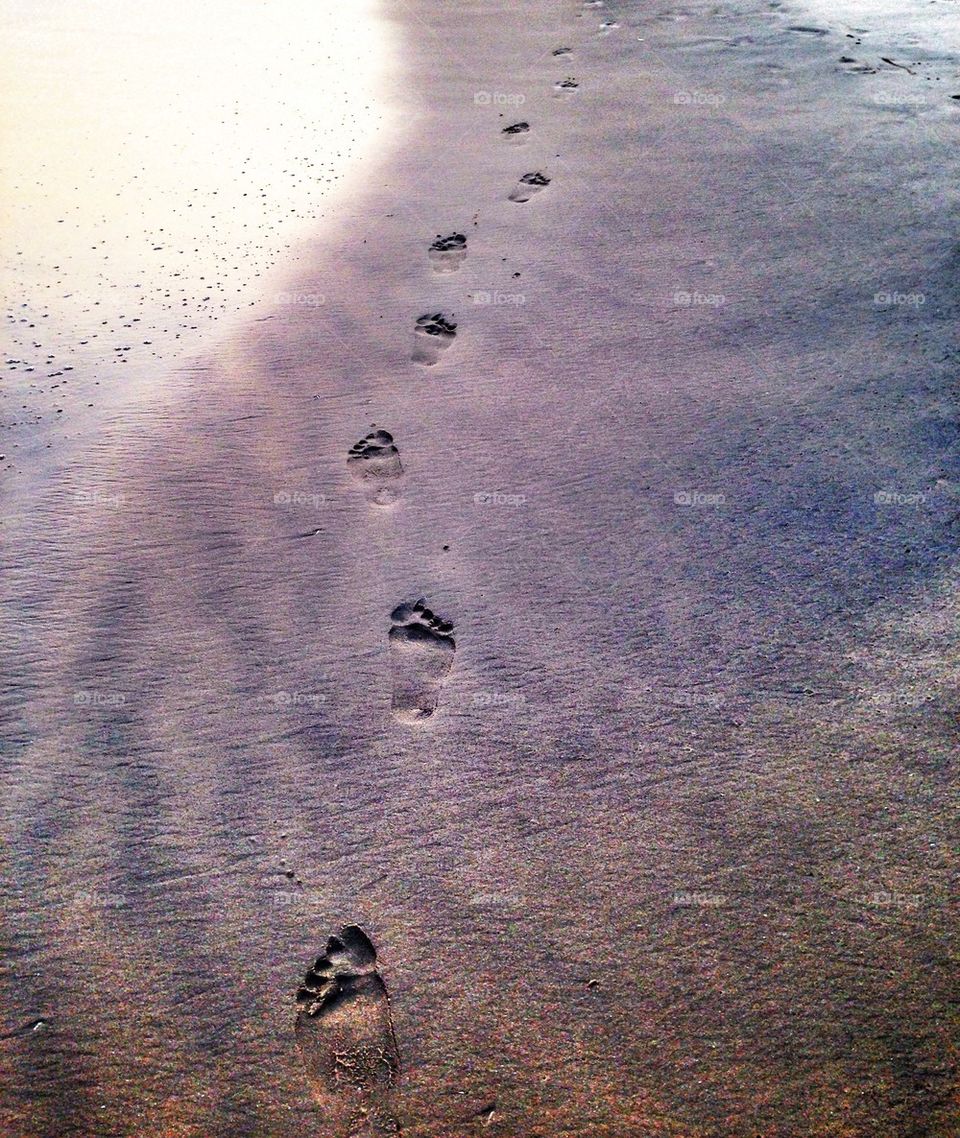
<point x="672" y="856"/>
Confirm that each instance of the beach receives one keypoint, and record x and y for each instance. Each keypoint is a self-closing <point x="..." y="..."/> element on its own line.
<point x="551" y="574"/>
<point x="143" y="214"/>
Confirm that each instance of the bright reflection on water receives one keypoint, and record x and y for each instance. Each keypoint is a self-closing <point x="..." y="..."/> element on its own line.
<point x="155" y="160"/>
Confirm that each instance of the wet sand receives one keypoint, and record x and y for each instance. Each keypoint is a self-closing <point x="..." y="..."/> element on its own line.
<point x="144" y="212"/>
<point x="647" y="821"/>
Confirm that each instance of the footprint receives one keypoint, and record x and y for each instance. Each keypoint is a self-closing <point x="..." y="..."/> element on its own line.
<point x="346" y="1040"/>
<point x="421" y="651"/>
<point x="375" y="462"/>
<point x="448" y="253"/>
<point x="516" y="132"/>
<point x="431" y="336"/>
<point x="528" y="185"/>
<point x="807" y="30"/>
<point x="565" y="88"/>
<point x="856" y="67"/>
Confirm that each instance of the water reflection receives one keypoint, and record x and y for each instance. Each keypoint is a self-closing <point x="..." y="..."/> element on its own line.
<point x="154" y="165"/>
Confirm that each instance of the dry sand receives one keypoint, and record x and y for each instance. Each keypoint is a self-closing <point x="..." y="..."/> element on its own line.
<point x="671" y="856"/>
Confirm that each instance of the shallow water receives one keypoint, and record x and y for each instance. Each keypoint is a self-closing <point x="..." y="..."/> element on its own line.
<point x="154" y="167"/>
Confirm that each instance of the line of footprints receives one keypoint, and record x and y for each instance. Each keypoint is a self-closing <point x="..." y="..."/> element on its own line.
<point x="343" y="1027"/>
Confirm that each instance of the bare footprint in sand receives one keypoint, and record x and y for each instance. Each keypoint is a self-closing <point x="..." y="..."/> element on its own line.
<point x="529" y="185"/>
<point x="421" y="654"/>
<point x="432" y="335"/>
<point x="516" y="133"/>
<point x="447" y="254"/>
<point x="375" y="462"/>
<point x="565" y="88"/>
<point x="346" y="1039"/>
<point x="856" y="66"/>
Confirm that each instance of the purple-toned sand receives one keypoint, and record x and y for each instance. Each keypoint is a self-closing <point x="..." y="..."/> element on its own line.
<point x="500" y="677"/>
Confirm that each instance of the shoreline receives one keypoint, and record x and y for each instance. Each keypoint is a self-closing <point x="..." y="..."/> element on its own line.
<point x="700" y="704"/>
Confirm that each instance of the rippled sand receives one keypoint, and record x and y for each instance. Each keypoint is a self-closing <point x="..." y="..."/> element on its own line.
<point x="548" y="707"/>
